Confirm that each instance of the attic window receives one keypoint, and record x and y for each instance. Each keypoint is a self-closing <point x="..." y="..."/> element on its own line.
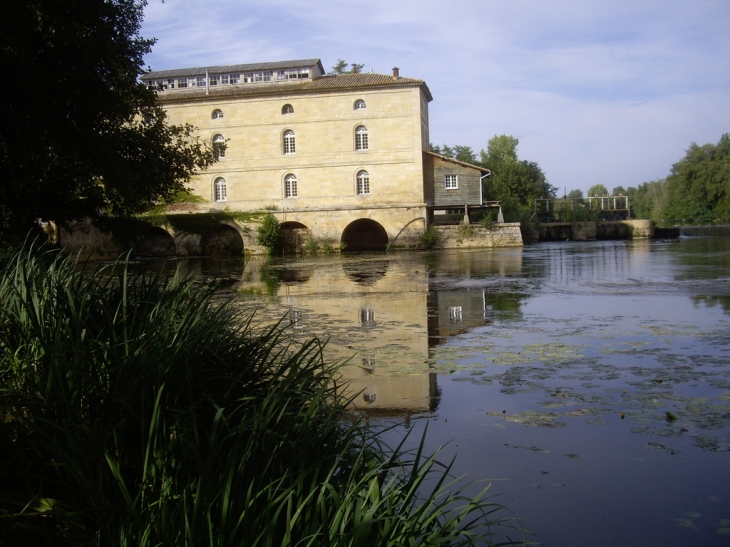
<point x="359" y="105"/>
<point x="217" y="113"/>
<point x="287" y="109"/>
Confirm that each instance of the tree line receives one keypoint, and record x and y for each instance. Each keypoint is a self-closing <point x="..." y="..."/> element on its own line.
<point x="697" y="188"/>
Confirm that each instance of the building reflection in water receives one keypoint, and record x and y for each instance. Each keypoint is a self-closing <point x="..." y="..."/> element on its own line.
<point x="382" y="313"/>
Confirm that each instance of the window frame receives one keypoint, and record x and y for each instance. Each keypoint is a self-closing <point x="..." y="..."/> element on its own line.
<point x="362" y="140"/>
<point x="451" y="182"/>
<point x="289" y="142"/>
<point x="219" y="145"/>
<point x="360" y="104"/>
<point x="287" y="109"/>
<point x="362" y="183"/>
<point x="291" y="186"/>
<point x="216" y="114"/>
<point x="220" y="190"/>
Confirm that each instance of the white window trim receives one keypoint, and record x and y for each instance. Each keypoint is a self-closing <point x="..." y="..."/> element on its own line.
<point x="362" y="139"/>
<point x="291" y="192"/>
<point x="451" y="183"/>
<point x="289" y="142"/>
<point x="222" y="196"/>
<point x="364" y="176"/>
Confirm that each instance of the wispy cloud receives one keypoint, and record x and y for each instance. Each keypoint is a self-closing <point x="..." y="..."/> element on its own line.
<point x="597" y="92"/>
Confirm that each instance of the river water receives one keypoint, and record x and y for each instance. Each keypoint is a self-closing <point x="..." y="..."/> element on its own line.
<point x="589" y="382"/>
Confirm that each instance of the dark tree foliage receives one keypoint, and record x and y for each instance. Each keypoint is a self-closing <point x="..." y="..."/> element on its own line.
<point x="457" y="152"/>
<point x="698" y="186"/>
<point x="80" y="136"/>
<point x="515" y="180"/>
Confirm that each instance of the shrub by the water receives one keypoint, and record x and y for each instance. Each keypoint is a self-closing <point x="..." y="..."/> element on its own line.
<point x="137" y="410"/>
<point x="269" y="234"/>
<point x="429" y="237"/>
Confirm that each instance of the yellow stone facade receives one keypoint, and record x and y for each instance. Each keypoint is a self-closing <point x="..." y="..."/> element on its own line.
<point x="323" y="113"/>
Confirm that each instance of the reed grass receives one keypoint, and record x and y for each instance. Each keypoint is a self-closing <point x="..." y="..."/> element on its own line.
<point x="137" y="410"/>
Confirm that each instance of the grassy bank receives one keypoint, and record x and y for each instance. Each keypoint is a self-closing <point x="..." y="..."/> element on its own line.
<point x="136" y="411"/>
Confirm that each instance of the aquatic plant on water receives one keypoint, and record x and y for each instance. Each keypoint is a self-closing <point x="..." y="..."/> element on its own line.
<point x="137" y="410"/>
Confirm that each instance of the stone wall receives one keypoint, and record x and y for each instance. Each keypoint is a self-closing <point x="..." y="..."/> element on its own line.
<point x="589" y="231"/>
<point x="474" y="236"/>
<point x="325" y="161"/>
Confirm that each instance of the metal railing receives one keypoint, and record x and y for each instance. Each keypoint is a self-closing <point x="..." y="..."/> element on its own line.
<point x="570" y="207"/>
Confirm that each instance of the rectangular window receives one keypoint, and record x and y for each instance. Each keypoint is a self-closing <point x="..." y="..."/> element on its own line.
<point x="200" y="81"/>
<point x="363" y="186"/>
<point x="192" y="82"/>
<point x="182" y="82"/>
<point x="268" y="75"/>
<point x="281" y="75"/>
<point x="452" y="182"/>
<point x="224" y="79"/>
<point x="291" y="188"/>
<point x="171" y="84"/>
<point x="248" y="77"/>
<point x="235" y="78"/>
<point x="214" y="80"/>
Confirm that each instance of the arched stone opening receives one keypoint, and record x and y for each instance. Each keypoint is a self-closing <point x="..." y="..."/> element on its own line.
<point x="295" y="235"/>
<point x="158" y="242"/>
<point x="365" y="234"/>
<point x="223" y="240"/>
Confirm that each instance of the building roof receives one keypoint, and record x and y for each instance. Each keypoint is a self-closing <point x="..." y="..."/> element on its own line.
<point x="227" y="69"/>
<point x="336" y="82"/>
<point x="457" y="162"/>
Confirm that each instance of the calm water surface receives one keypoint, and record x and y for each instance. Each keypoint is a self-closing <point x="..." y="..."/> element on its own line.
<point x="590" y="382"/>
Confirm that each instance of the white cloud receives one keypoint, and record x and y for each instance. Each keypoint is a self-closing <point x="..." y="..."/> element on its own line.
<point x="609" y="92"/>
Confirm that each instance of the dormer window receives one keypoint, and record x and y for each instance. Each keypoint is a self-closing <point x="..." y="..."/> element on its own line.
<point x="287" y="109"/>
<point x="217" y="113"/>
<point x="359" y="105"/>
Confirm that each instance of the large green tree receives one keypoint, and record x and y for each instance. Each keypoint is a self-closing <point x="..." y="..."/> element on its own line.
<point x="80" y="135"/>
<point x="513" y="180"/>
<point x="698" y="186"/>
<point x="597" y="190"/>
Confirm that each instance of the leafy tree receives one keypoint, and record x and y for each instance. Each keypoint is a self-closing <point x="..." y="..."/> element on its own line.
<point x="341" y="68"/>
<point x="698" y="186"/>
<point x="649" y="200"/>
<point x="597" y="190"/>
<point x="513" y="180"/>
<point x="447" y="151"/>
<point x="619" y="191"/>
<point x="465" y="154"/>
<point x="81" y="137"/>
<point x="575" y="194"/>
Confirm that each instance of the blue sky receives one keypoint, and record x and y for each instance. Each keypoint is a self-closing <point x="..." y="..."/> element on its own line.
<point x="609" y="92"/>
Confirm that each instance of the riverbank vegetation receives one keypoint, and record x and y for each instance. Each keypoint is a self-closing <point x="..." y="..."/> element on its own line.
<point x="139" y="411"/>
<point x="696" y="190"/>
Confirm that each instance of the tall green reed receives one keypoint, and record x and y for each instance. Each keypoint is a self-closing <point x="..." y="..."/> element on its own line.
<point x="137" y="410"/>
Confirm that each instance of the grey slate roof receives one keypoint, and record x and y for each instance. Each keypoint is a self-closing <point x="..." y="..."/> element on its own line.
<point x="339" y="82"/>
<point x="229" y="69"/>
